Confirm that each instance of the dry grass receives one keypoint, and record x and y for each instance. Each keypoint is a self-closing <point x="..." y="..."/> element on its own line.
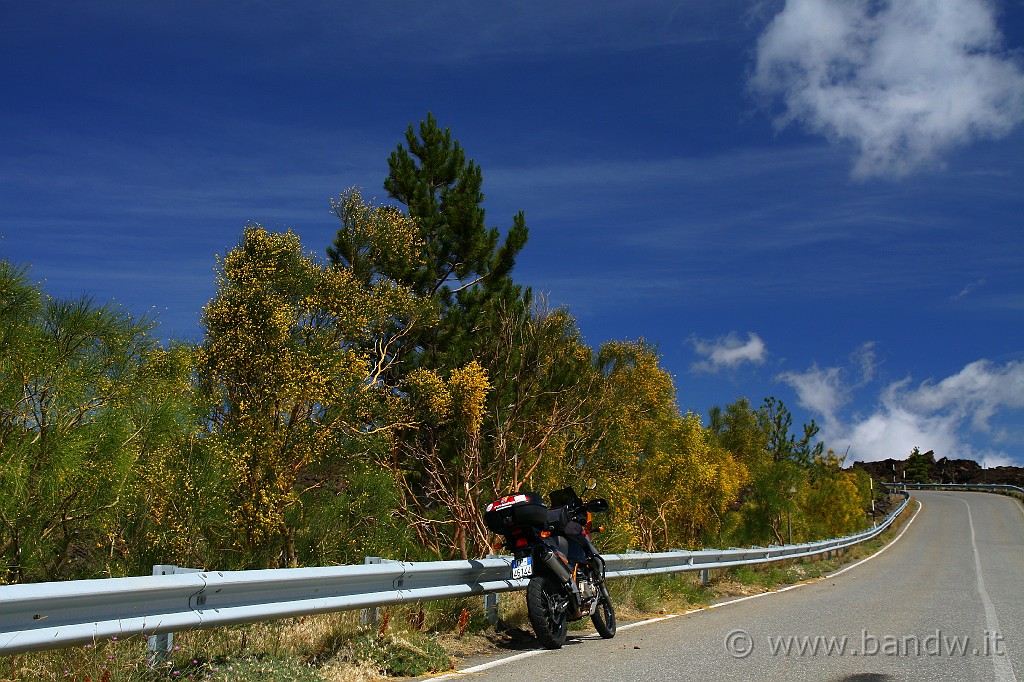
<point x="223" y="653"/>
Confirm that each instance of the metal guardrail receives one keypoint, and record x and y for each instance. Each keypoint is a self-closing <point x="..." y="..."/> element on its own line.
<point x="984" y="487"/>
<point x="59" y="614"/>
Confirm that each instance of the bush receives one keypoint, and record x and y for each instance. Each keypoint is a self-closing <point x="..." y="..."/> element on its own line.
<point x="242" y="669"/>
<point x="406" y="654"/>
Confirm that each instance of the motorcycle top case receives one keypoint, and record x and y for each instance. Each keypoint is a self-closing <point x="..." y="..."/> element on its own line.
<point x="518" y="509"/>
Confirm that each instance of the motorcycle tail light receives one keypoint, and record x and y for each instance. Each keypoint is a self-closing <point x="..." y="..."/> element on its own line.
<point x="521" y="542"/>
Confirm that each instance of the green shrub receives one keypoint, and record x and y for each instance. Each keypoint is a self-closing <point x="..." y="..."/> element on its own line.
<point x="241" y="669"/>
<point x="405" y="654"/>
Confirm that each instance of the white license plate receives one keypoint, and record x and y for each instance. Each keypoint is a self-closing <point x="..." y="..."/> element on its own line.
<point x="522" y="568"/>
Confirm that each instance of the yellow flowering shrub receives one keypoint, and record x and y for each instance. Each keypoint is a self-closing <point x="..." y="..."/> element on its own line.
<point x="291" y="366"/>
<point x="469" y="386"/>
<point x="668" y="482"/>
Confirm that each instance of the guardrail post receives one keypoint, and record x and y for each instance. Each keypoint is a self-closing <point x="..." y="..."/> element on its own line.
<point x="705" y="576"/>
<point x="159" y="647"/>
<point x="368" y="616"/>
<point x="491" y="601"/>
<point x="491" y="604"/>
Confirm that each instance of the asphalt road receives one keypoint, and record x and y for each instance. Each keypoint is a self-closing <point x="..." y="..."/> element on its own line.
<point x="944" y="602"/>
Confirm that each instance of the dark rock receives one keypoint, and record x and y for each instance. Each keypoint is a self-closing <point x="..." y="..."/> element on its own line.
<point x="945" y="471"/>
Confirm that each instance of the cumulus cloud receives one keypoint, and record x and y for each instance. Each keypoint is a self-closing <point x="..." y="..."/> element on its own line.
<point x="903" y="82"/>
<point x="944" y="416"/>
<point x="975" y="393"/>
<point x="894" y="429"/>
<point x="728" y="352"/>
<point x="819" y="390"/>
<point x="941" y="416"/>
<point x="825" y="391"/>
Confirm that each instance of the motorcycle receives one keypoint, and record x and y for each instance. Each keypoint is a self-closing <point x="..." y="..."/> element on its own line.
<point x="551" y="546"/>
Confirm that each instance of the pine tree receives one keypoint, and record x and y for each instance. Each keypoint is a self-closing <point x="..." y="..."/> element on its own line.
<point x="463" y="271"/>
<point x="442" y="192"/>
<point x="466" y="266"/>
<point x="919" y="466"/>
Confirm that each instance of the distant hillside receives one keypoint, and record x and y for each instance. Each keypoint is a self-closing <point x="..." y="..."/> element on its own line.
<point x="944" y="471"/>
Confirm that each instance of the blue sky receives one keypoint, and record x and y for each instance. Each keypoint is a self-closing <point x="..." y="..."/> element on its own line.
<point x="819" y="200"/>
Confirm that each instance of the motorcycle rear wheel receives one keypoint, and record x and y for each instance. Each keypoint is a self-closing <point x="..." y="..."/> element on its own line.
<point x="545" y="604"/>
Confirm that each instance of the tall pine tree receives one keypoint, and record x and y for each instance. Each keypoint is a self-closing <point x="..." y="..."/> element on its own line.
<point x="466" y="271"/>
<point x="463" y="270"/>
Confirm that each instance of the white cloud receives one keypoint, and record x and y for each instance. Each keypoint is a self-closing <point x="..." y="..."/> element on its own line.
<point x="894" y="430"/>
<point x="945" y="416"/>
<point x="728" y="352"/>
<point x="969" y="289"/>
<point x="865" y="358"/>
<point x="818" y="390"/>
<point x="825" y="391"/>
<point x="903" y="81"/>
<point x="976" y="392"/>
<point x="990" y="460"/>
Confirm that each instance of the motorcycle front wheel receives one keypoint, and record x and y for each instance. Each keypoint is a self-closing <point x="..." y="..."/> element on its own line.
<point x="546" y="605"/>
<point x="604" y="617"/>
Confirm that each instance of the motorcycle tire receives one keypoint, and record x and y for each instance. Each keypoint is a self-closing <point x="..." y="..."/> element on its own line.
<point x="604" y="617"/>
<point x="545" y="604"/>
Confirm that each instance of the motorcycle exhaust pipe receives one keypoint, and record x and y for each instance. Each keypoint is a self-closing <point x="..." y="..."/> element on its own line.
<point x="548" y="558"/>
<point x="561" y="571"/>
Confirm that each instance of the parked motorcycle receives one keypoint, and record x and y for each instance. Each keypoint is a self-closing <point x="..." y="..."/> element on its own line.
<point x="551" y="546"/>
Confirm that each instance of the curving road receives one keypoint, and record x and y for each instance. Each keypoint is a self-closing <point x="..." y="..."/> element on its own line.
<point x="945" y="602"/>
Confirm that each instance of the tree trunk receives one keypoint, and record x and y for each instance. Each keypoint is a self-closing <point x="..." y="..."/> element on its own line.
<point x="460" y="538"/>
<point x="290" y="556"/>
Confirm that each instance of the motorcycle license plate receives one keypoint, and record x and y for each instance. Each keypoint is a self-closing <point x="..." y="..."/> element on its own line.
<point x="522" y="568"/>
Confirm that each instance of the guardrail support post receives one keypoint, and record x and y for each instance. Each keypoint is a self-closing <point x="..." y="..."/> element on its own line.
<point x="159" y="647"/>
<point x="368" y="616"/>
<point x="491" y="607"/>
<point x="491" y="601"/>
<point x="705" y="576"/>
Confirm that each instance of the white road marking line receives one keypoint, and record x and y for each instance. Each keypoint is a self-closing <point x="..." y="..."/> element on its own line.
<point x="787" y="588"/>
<point x="651" y="620"/>
<point x="492" y="664"/>
<point x="1000" y="663"/>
